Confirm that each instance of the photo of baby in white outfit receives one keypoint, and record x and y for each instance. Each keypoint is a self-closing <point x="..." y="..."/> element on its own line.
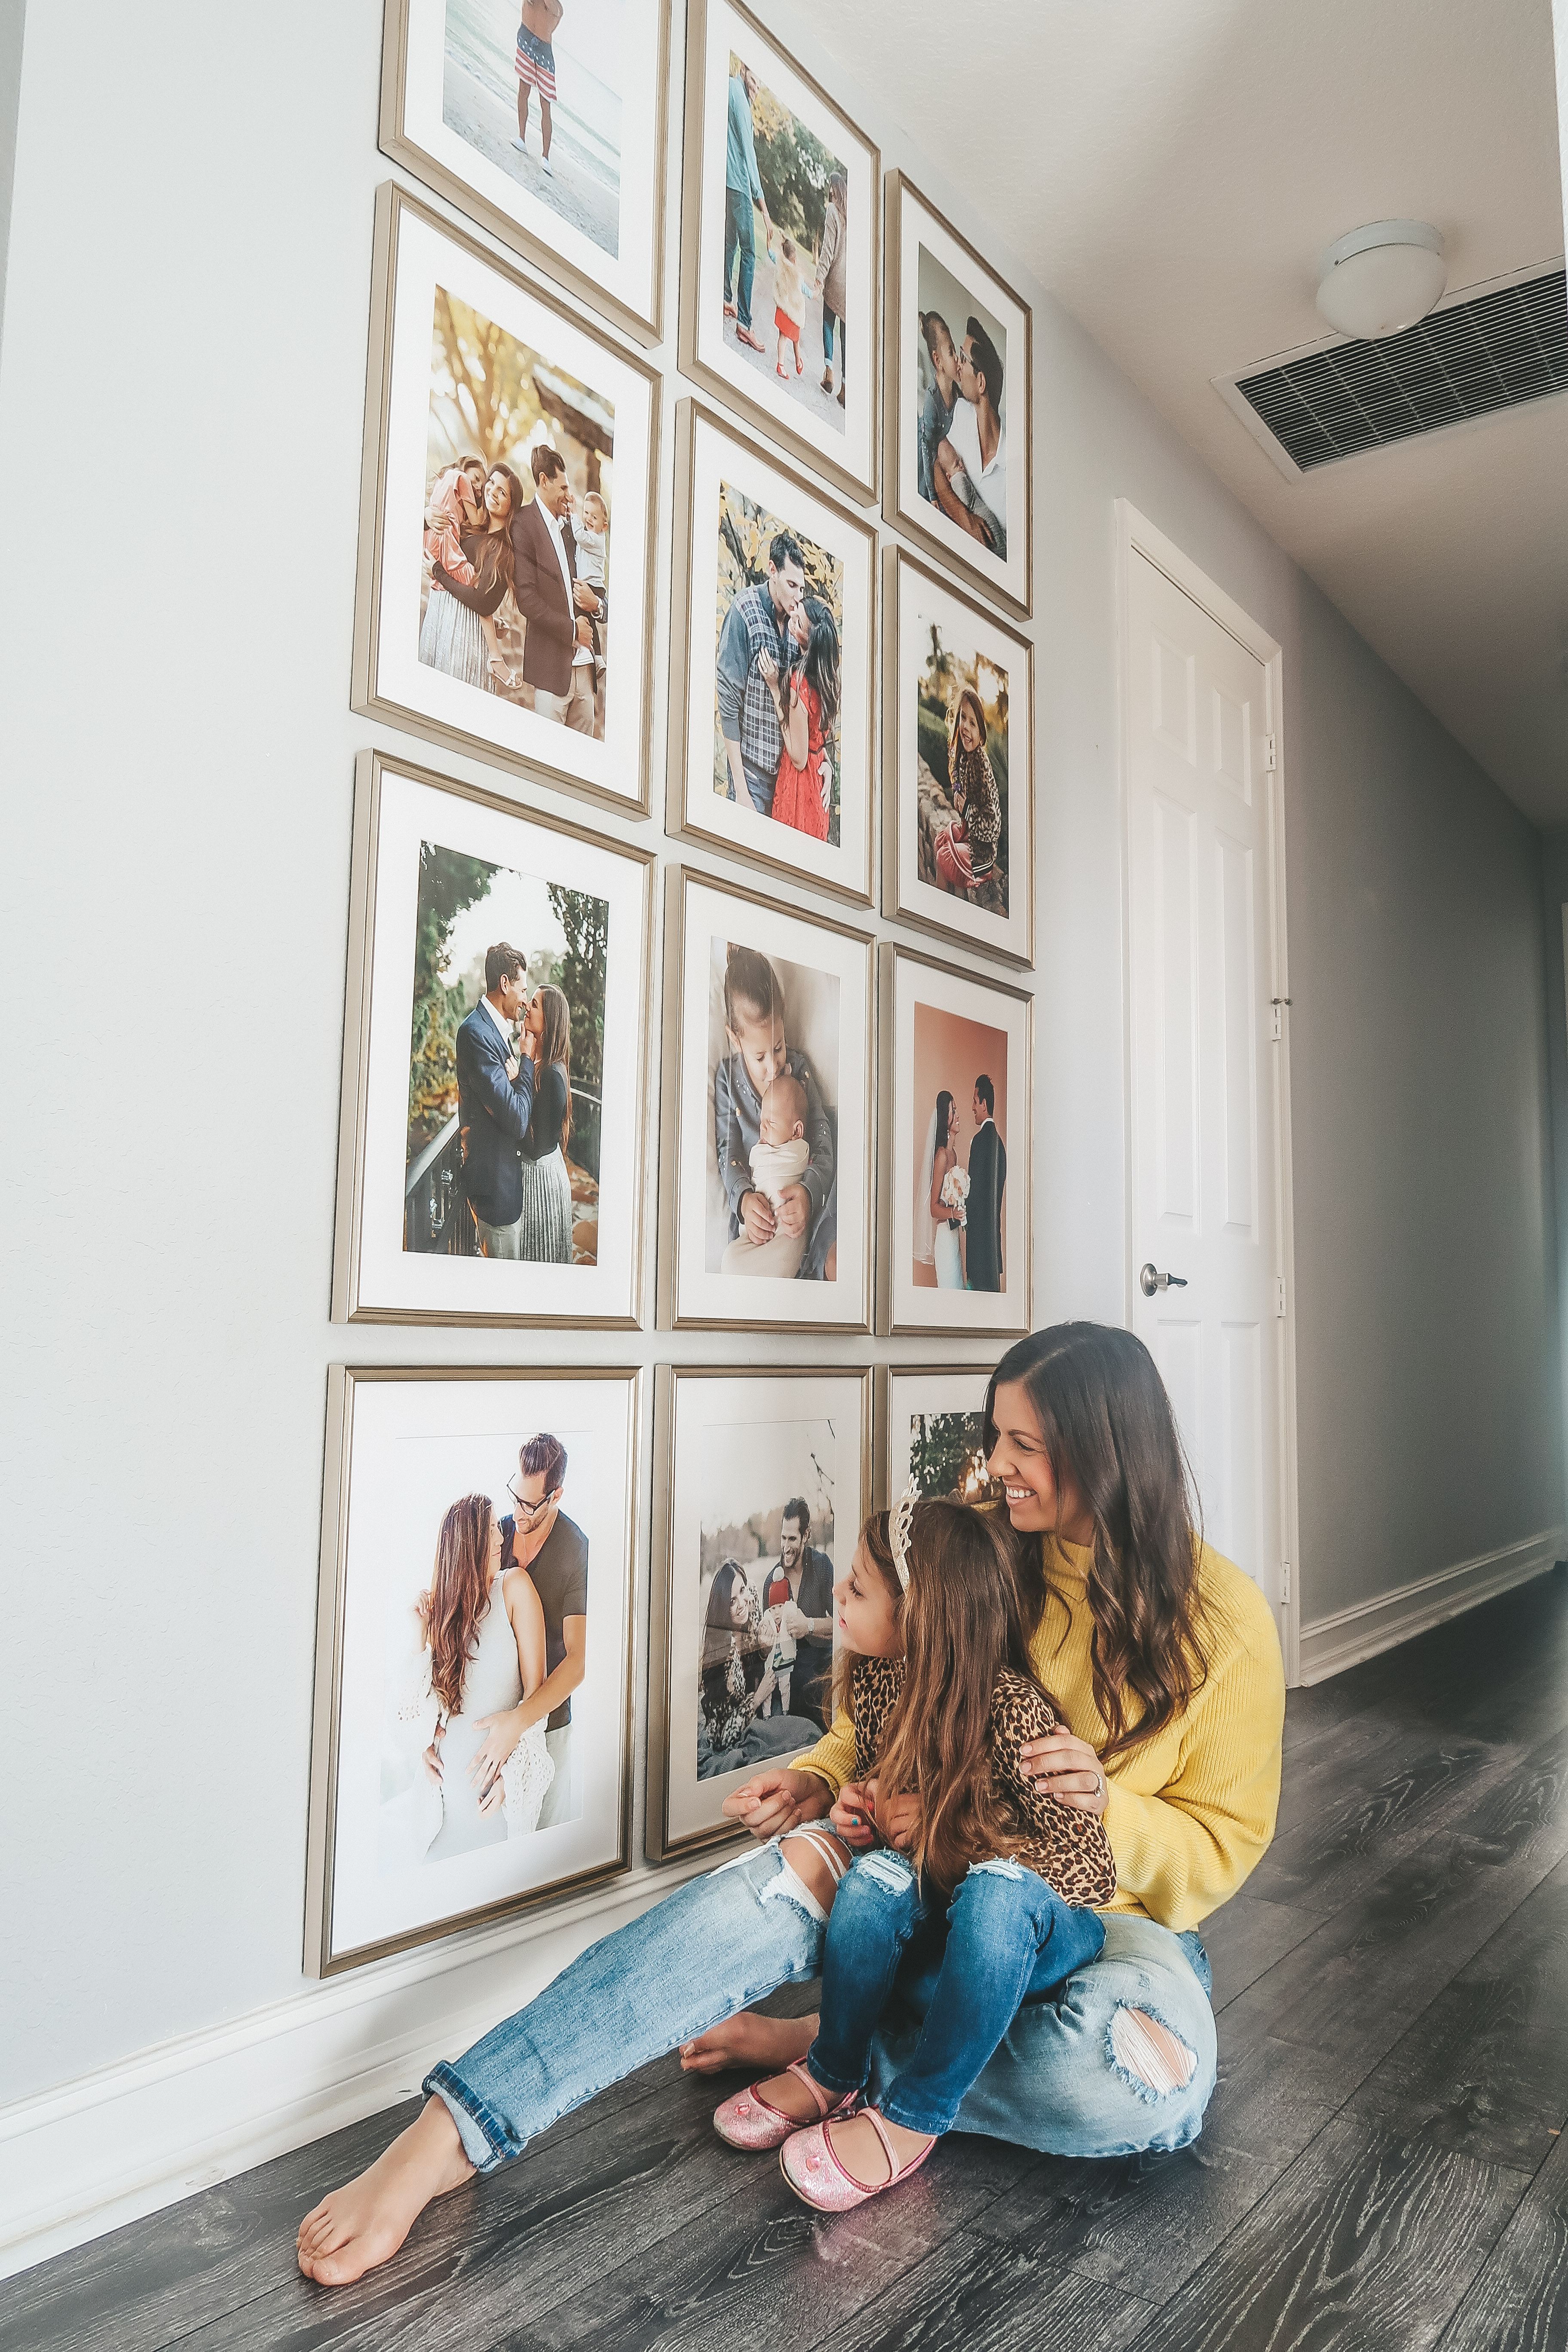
<point x="779" y="1160"/>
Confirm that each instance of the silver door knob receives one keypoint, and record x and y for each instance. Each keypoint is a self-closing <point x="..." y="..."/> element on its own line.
<point x="1149" y="1281"/>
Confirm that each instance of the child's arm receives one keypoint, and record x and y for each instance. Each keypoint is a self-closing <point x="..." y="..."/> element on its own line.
<point x="443" y="547"/>
<point x="1066" y="1845"/>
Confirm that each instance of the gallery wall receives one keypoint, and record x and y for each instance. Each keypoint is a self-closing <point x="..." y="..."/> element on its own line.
<point x="185" y="357"/>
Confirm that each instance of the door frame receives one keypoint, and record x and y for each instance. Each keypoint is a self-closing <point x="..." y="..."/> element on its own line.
<point x="1136" y="535"/>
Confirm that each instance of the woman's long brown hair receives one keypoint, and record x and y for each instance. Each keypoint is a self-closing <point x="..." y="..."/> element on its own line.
<point x="451" y="1609"/>
<point x="961" y="1622"/>
<point x="555" y="1046"/>
<point x="1107" y="1430"/>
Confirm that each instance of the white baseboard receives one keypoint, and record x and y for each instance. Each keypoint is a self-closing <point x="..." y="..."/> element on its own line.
<point x="112" y="2147"/>
<point x="1332" y="1643"/>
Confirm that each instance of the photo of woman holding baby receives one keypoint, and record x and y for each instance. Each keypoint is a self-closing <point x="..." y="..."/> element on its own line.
<point x="467" y="538"/>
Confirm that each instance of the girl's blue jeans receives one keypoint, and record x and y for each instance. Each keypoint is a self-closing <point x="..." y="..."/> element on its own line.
<point x="1056" y="2080"/>
<point x="969" y="1961"/>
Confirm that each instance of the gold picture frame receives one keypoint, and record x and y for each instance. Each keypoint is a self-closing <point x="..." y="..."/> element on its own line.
<point x="663" y="1842"/>
<point x="690" y="726"/>
<point x="889" y="1377"/>
<point x="698" y="356"/>
<point x="371" y="1283"/>
<point x="1008" y="583"/>
<point x="444" y="175"/>
<point x="324" y="1956"/>
<point x="389" y="683"/>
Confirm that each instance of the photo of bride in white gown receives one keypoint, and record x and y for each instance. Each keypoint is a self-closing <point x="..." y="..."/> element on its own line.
<point x="939" y="1235"/>
<point x="477" y="1647"/>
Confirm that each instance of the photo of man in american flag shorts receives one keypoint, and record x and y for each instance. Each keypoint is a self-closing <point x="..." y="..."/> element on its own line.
<point x="536" y="71"/>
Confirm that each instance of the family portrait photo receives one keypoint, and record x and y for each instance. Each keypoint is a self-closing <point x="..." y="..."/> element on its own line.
<point x="770" y="713"/>
<point x="958" y="392"/>
<point x="506" y="1065"/>
<point x="961" y="705"/>
<point x="546" y="120"/>
<point x="769" y="1146"/>
<point x="511" y="1072"/>
<point x="786" y="240"/>
<point x="758" y="1474"/>
<point x="511" y="450"/>
<point x="956" y="1155"/>
<point x="935" y="1433"/>
<point x="474" y="1648"/>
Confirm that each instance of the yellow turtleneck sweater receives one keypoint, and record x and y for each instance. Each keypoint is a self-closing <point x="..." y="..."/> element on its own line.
<point x="1190" y="1813"/>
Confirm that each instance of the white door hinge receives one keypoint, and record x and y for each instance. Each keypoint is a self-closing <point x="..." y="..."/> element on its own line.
<point x="1269" y="756"/>
<point x="1279" y="1297"/>
<point x="1279" y="1012"/>
<point x="1285" y="1584"/>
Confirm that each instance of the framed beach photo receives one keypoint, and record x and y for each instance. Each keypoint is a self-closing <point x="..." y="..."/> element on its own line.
<point x="471" y="1751"/>
<point x="495" y="1046"/>
<point x="545" y="120"/>
<point x="762" y="1483"/>
<point x="779" y="254"/>
<point x="958" y="732"/>
<point x="505" y="598"/>
<point x="767" y="1114"/>
<point x="957" y="1165"/>
<point x="958" y="388"/>
<point x="770" y="712"/>
<point x="931" y="1431"/>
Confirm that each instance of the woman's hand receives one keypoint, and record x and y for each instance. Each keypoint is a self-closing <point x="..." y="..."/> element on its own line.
<point x="776" y="1801"/>
<point x="512" y="1068"/>
<point x="493" y="1800"/>
<point x="502" y="1733"/>
<point x="431" y="1760"/>
<point x="1067" y="1767"/>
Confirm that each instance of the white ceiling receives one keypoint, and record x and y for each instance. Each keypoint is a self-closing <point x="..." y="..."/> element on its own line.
<point x="1172" y="169"/>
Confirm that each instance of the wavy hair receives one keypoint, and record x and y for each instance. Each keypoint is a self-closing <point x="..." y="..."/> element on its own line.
<point x="555" y="1046"/>
<point x="1109" y="1430"/>
<point x="459" y="1590"/>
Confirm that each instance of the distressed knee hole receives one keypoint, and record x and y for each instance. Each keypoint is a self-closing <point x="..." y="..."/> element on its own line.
<point x="1147" y="2054"/>
<point x="804" y="1868"/>
<point x="885" y="1869"/>
<point x="998" y="1866"/>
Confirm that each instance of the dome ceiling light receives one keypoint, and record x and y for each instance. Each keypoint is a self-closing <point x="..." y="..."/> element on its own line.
<point x="1383" y="277"/>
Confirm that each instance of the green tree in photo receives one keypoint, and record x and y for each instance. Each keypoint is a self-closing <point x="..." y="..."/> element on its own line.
<point x="580" y="975"/>
<point x="449" y="882"/>
<point x="943" y="1450"/>
<point x="793" y="165"/>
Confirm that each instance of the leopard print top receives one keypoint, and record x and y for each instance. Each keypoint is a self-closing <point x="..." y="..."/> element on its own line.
<point x="1064" y="1846"/>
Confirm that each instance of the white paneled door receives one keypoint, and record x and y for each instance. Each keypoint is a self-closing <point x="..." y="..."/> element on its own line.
<point x="1205" y="1207"/>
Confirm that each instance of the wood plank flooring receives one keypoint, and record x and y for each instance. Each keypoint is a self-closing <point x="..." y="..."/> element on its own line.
<point x="1381" y="2165"/>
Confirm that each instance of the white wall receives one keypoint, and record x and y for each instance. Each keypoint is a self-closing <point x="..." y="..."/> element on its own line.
<point x="186" y="343"/>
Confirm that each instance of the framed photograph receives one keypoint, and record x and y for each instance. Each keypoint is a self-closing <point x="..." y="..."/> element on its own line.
<point x="931" y="1431"/>
<point x="505" y="600"/>
<point x="779" y="260"/>
<point x="767" y="1122"/>
<point x="479" y="1542"/>
<point x="771" y="718"/>
<point x="491" y="1155"/>
<point x="958" y="733"/>
<point x="956" y="1103"/>
<point x="544" y="120"/>
<point x="958" y="392"/>
<point x="763" y="1482"/>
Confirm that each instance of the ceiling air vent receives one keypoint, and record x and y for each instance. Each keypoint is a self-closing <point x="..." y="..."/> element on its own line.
<point x="1496" y="352"/>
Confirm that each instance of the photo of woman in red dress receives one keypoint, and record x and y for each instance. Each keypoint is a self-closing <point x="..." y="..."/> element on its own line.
<point x="807" y="701"/>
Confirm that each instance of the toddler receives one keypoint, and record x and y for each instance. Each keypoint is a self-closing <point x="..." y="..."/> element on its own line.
<point x="593" y="561"/>
<point x="789" y="304"/>
<point x="453" y="507"/>
<point x="779" y="1158"/>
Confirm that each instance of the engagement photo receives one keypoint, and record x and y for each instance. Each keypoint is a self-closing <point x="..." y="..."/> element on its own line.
<point x="537" y="89"/>
<point x="786" y="202"/>
<point x="960" y="1112"/>
<point x="764" y="1592"/>
<point x="772" y="1061"/>
<point x="517" y="523"/>
<point x="958" y="378"/>
<point x="479" y="1748"/>
<point x="778" y="676"/>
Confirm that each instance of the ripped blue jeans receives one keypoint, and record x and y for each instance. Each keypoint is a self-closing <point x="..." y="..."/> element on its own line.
<point x="1065" y="2077"/>
<point x="1003" y="1937"/>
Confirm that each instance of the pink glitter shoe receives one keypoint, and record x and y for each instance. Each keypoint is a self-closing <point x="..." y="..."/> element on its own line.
<point x="748" y="2121"/>
<point x="818" y="2178"/>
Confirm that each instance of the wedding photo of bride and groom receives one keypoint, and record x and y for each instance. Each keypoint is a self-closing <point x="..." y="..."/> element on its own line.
<point x="962" y="1170"/>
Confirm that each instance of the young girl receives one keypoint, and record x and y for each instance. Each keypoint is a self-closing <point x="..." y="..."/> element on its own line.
<point x="807" y="704"/>
<point x="758" y="1054"/>
<point x="997" y="1893"/>
<point x="789" y="304"/>
<point x="966" y="849"/>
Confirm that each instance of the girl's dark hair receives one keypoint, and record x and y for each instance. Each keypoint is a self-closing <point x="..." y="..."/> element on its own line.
<point x="720" y="1593"/>
<point x="1109" y="1430"/>
<point x="943" y="1119"/>
<point x="821" y="663"/>
<point x="964" y="1620"/>
<point x="752" y="990"/>
<point x="460" y="1589"/>
<point x="977" y="709"/>
<point x="555" y="1046"/>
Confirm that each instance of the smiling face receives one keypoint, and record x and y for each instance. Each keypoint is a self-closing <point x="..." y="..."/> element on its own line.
<point x="864" y="1613"/>
<point x="497" y="498"/>
<point x="1035" y="1504"/>
<point x="739" y="1605"/>
<point x="968" y="732"/>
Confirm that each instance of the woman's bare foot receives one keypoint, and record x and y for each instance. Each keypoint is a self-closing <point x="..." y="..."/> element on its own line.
<point x="363" y="2223"/>
<point x="748" y="2040"/>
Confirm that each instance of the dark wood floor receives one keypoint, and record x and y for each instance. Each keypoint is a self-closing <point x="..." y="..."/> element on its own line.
<point x="1381" y="2165"/>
